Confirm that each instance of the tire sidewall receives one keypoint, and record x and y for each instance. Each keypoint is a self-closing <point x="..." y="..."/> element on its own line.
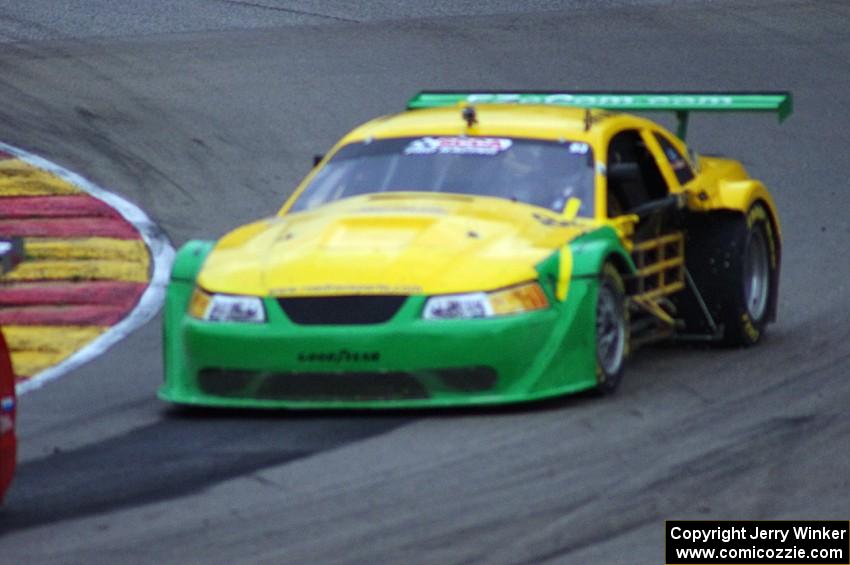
<point x="610" y="278"/>
<point x="749" y="330"/>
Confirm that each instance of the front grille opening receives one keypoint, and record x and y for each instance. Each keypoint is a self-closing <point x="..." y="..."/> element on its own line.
<point x="344" y="386"/>
<point x="353" y="386"/>
<point x="469" y="379"/>
<point x="341" y="310"/>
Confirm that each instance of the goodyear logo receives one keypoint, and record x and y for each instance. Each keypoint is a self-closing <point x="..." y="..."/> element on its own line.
<point x="341" y="356"/>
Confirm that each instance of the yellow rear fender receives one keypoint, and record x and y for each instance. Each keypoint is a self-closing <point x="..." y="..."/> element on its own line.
<point x="738" y="196"/>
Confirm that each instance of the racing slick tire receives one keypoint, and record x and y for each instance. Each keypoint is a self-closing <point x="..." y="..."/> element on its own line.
<point x="738" y="272"/>
<point x="612" y="329"/>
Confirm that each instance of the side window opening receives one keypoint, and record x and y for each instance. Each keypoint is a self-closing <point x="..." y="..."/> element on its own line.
<point x="678" y="163"/>
<point x="633" y="175"/>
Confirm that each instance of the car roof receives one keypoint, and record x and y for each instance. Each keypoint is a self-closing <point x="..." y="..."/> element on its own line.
<point x="510" y="120"/>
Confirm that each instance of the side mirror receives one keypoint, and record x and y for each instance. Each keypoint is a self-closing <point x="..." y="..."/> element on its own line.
<point x="317" y="158"/>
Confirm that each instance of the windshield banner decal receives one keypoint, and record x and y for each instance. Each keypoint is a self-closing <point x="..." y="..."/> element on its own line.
<point x="458" y="146"/>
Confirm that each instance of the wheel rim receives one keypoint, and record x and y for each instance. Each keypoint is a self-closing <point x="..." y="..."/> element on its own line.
<point x="610" y="331"/>
<point x="757" y="275"/>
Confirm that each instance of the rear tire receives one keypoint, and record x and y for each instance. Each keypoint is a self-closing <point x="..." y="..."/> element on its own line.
<point x="612" y="330"/>
<point x="736" y="268"/>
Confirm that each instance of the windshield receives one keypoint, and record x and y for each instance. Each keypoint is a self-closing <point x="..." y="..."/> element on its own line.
<point x="543" y="173"/>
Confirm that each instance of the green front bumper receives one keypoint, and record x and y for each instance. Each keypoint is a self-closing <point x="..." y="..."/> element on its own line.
<point x="403" y="363"/>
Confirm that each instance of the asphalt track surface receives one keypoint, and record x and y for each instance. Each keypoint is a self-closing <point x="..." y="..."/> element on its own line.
<point x="206" y="113"/>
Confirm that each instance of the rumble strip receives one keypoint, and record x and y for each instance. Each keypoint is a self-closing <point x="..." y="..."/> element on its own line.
<point x="95" y="268"/>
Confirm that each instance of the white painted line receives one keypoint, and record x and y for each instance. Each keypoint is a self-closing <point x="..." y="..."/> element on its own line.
<point x="162" y="255"/>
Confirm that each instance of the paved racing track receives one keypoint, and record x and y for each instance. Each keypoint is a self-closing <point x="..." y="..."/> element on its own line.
<point x="205" y="113"/>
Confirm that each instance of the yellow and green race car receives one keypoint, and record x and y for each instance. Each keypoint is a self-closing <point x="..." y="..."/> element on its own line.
<point x="479" y="248"/>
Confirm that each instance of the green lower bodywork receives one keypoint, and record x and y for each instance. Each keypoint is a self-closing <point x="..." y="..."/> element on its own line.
<point x="497" y="360"/>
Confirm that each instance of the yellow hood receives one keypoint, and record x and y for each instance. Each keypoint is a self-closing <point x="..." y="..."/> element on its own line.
<point x="391" y="243"/>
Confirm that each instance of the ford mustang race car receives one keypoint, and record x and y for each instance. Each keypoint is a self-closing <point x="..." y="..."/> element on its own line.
<point x="479" y="248"/>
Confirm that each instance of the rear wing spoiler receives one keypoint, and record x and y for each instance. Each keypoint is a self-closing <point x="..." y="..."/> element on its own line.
<point x="682" y="103"/>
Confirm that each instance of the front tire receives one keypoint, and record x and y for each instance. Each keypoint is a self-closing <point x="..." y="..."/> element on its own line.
<point x="612" y="330"/>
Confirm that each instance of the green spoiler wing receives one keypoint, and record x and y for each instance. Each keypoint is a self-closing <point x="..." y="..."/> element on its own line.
<point x="682" y="103"/>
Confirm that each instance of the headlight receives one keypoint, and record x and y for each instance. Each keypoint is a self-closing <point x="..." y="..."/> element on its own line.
<point x="226" y="308"/>
<point x="452" y="306"/>
<point x="515" y="300"/>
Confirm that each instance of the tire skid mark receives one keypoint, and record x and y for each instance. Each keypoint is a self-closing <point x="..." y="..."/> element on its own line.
<point x="87" y="248"/>
<point x="79" y="271"/>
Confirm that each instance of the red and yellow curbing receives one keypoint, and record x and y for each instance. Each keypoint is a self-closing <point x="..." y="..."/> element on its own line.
<point x="85" y="266"/>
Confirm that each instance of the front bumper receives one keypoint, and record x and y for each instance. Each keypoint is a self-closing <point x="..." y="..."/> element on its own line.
<point x="405" y="362"/>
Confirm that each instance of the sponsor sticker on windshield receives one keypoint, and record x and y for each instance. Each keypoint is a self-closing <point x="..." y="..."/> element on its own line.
<point x="579" y="148"/>
<point x="458" y="146"/>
